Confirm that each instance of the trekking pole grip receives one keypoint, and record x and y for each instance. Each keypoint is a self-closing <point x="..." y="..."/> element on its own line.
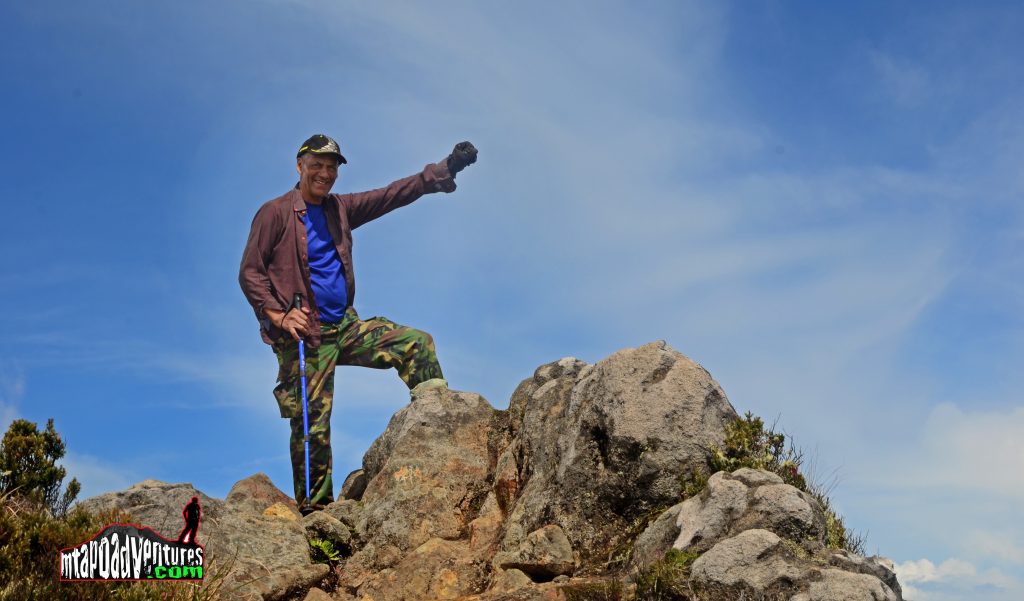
<point x="296" y="301"/>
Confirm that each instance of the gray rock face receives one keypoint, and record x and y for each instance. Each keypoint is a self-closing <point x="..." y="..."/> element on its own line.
<point x="838" y="585"/>
<point x="656" y="539"/>
<point x="729" y="506"/>
<point x="427" y="474"/>
<point x="596" y="446"/>
<point x="324" y="526"/>
<point x="346" y="511"/>
<point x="545" y="554"/>
<point x="354" y="486"/>
<point x="747" y="561"/>
<point x="256" y="493"/>
<point x="879" y="567"/>
<point x="705" y="519"/>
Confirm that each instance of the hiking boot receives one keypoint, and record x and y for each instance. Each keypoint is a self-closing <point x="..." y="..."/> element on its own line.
<point x="308" y="509"/>
<point x="426" y="385"/>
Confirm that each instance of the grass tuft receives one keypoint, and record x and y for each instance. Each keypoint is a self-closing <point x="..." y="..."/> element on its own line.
<point x="666" y="579"/>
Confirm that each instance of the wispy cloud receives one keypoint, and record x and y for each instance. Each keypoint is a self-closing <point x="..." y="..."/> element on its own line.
<point x="995" y="545"/>
<point x="905" y="82"/>
<point x="923" y="580"/>
<point x="979" y="451"/>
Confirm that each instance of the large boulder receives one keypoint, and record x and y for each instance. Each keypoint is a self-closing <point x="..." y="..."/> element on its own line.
<point x="428" y="479"/>
<point x="596" y="446"/>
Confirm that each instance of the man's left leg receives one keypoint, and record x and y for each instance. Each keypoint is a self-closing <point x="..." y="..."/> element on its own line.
<point x="381" y="343"/>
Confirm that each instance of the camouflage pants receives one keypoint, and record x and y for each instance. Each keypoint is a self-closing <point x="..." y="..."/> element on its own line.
<point x="376" y="342"/>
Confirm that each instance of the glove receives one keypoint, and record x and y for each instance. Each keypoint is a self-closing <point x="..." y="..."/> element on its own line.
<point x="463" y="155"/>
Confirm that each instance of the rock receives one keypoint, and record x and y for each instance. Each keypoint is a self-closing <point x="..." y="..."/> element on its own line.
<point x="749" y="561"/>
<point x="656" y="539"/>
<point x="316" y="594"/>
<point x="346" y="511"/>
<point x="486" y="526"/>
<point x="354" y="485"/>
<point x="510" y="580"/>
<point x="755" y="478"/>
<point x="788" y="512"/>
<point x="437" y="569"/>
<point x="749" y="499"/>
<point x="324" y="526"/>
<point x="597" y="446"/>
<point x="283" y="511"/>
<point x="256" y="493"/>
<point x="545" y="554"/>
<point x="428" y="478"/>
<point x="261" y="557"/>
<point x="705" y="519"/>
<point x="838" y="585"/>
<point x="879" y="567"/>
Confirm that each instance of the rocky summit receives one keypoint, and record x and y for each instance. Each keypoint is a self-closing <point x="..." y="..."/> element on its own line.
<point x="574" y="492"/>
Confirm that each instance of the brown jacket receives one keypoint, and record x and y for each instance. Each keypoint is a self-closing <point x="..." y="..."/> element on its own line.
<point x="275" y="264"/>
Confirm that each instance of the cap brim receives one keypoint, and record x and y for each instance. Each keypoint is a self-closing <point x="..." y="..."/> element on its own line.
<point x="341" y="159"/>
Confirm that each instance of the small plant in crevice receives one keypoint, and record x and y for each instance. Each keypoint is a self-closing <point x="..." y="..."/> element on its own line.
<point x="693" y="482"/>
<point x="323" y="551"/>
<point x="621" y="553"/>
<point x="666" y="579"/>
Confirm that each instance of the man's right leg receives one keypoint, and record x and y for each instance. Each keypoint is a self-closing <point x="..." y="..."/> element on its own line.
<point x="320" y="363"/>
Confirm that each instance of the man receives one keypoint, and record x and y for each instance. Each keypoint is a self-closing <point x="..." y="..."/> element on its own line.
<point x="301" y="244"/>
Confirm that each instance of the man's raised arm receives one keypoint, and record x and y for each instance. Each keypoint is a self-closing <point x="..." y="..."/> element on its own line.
<point x="363" y="207"/>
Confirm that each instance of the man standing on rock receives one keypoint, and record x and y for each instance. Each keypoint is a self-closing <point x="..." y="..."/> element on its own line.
<point x="301" y="243"/>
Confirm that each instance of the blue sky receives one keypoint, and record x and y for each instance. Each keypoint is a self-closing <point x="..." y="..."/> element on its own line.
<point x="822" y="205"/>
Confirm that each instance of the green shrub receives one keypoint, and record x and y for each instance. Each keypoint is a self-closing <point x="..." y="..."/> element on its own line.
<point x="749" y="444"/>
<point x="28" y="466"/>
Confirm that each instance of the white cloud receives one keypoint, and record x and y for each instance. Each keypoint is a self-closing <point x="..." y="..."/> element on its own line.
<point x="924" y="570"/>
<point x="923" y="580"/>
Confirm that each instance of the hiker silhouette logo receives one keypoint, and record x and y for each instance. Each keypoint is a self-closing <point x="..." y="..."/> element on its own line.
<point x="134" y="552"/>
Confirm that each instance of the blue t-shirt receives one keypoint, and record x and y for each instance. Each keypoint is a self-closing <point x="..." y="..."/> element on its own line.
<point x="326" y="272"/>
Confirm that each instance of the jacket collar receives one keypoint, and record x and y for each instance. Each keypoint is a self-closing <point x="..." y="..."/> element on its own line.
<point x="297" y="203"/>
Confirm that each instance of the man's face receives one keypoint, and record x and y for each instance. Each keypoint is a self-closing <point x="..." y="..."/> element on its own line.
<point x="316" y="175"/>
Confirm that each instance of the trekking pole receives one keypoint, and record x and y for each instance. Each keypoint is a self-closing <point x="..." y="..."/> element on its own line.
<point x="297" y="304"/>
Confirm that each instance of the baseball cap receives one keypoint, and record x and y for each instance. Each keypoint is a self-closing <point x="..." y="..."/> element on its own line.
<point x="321" y="144"/>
